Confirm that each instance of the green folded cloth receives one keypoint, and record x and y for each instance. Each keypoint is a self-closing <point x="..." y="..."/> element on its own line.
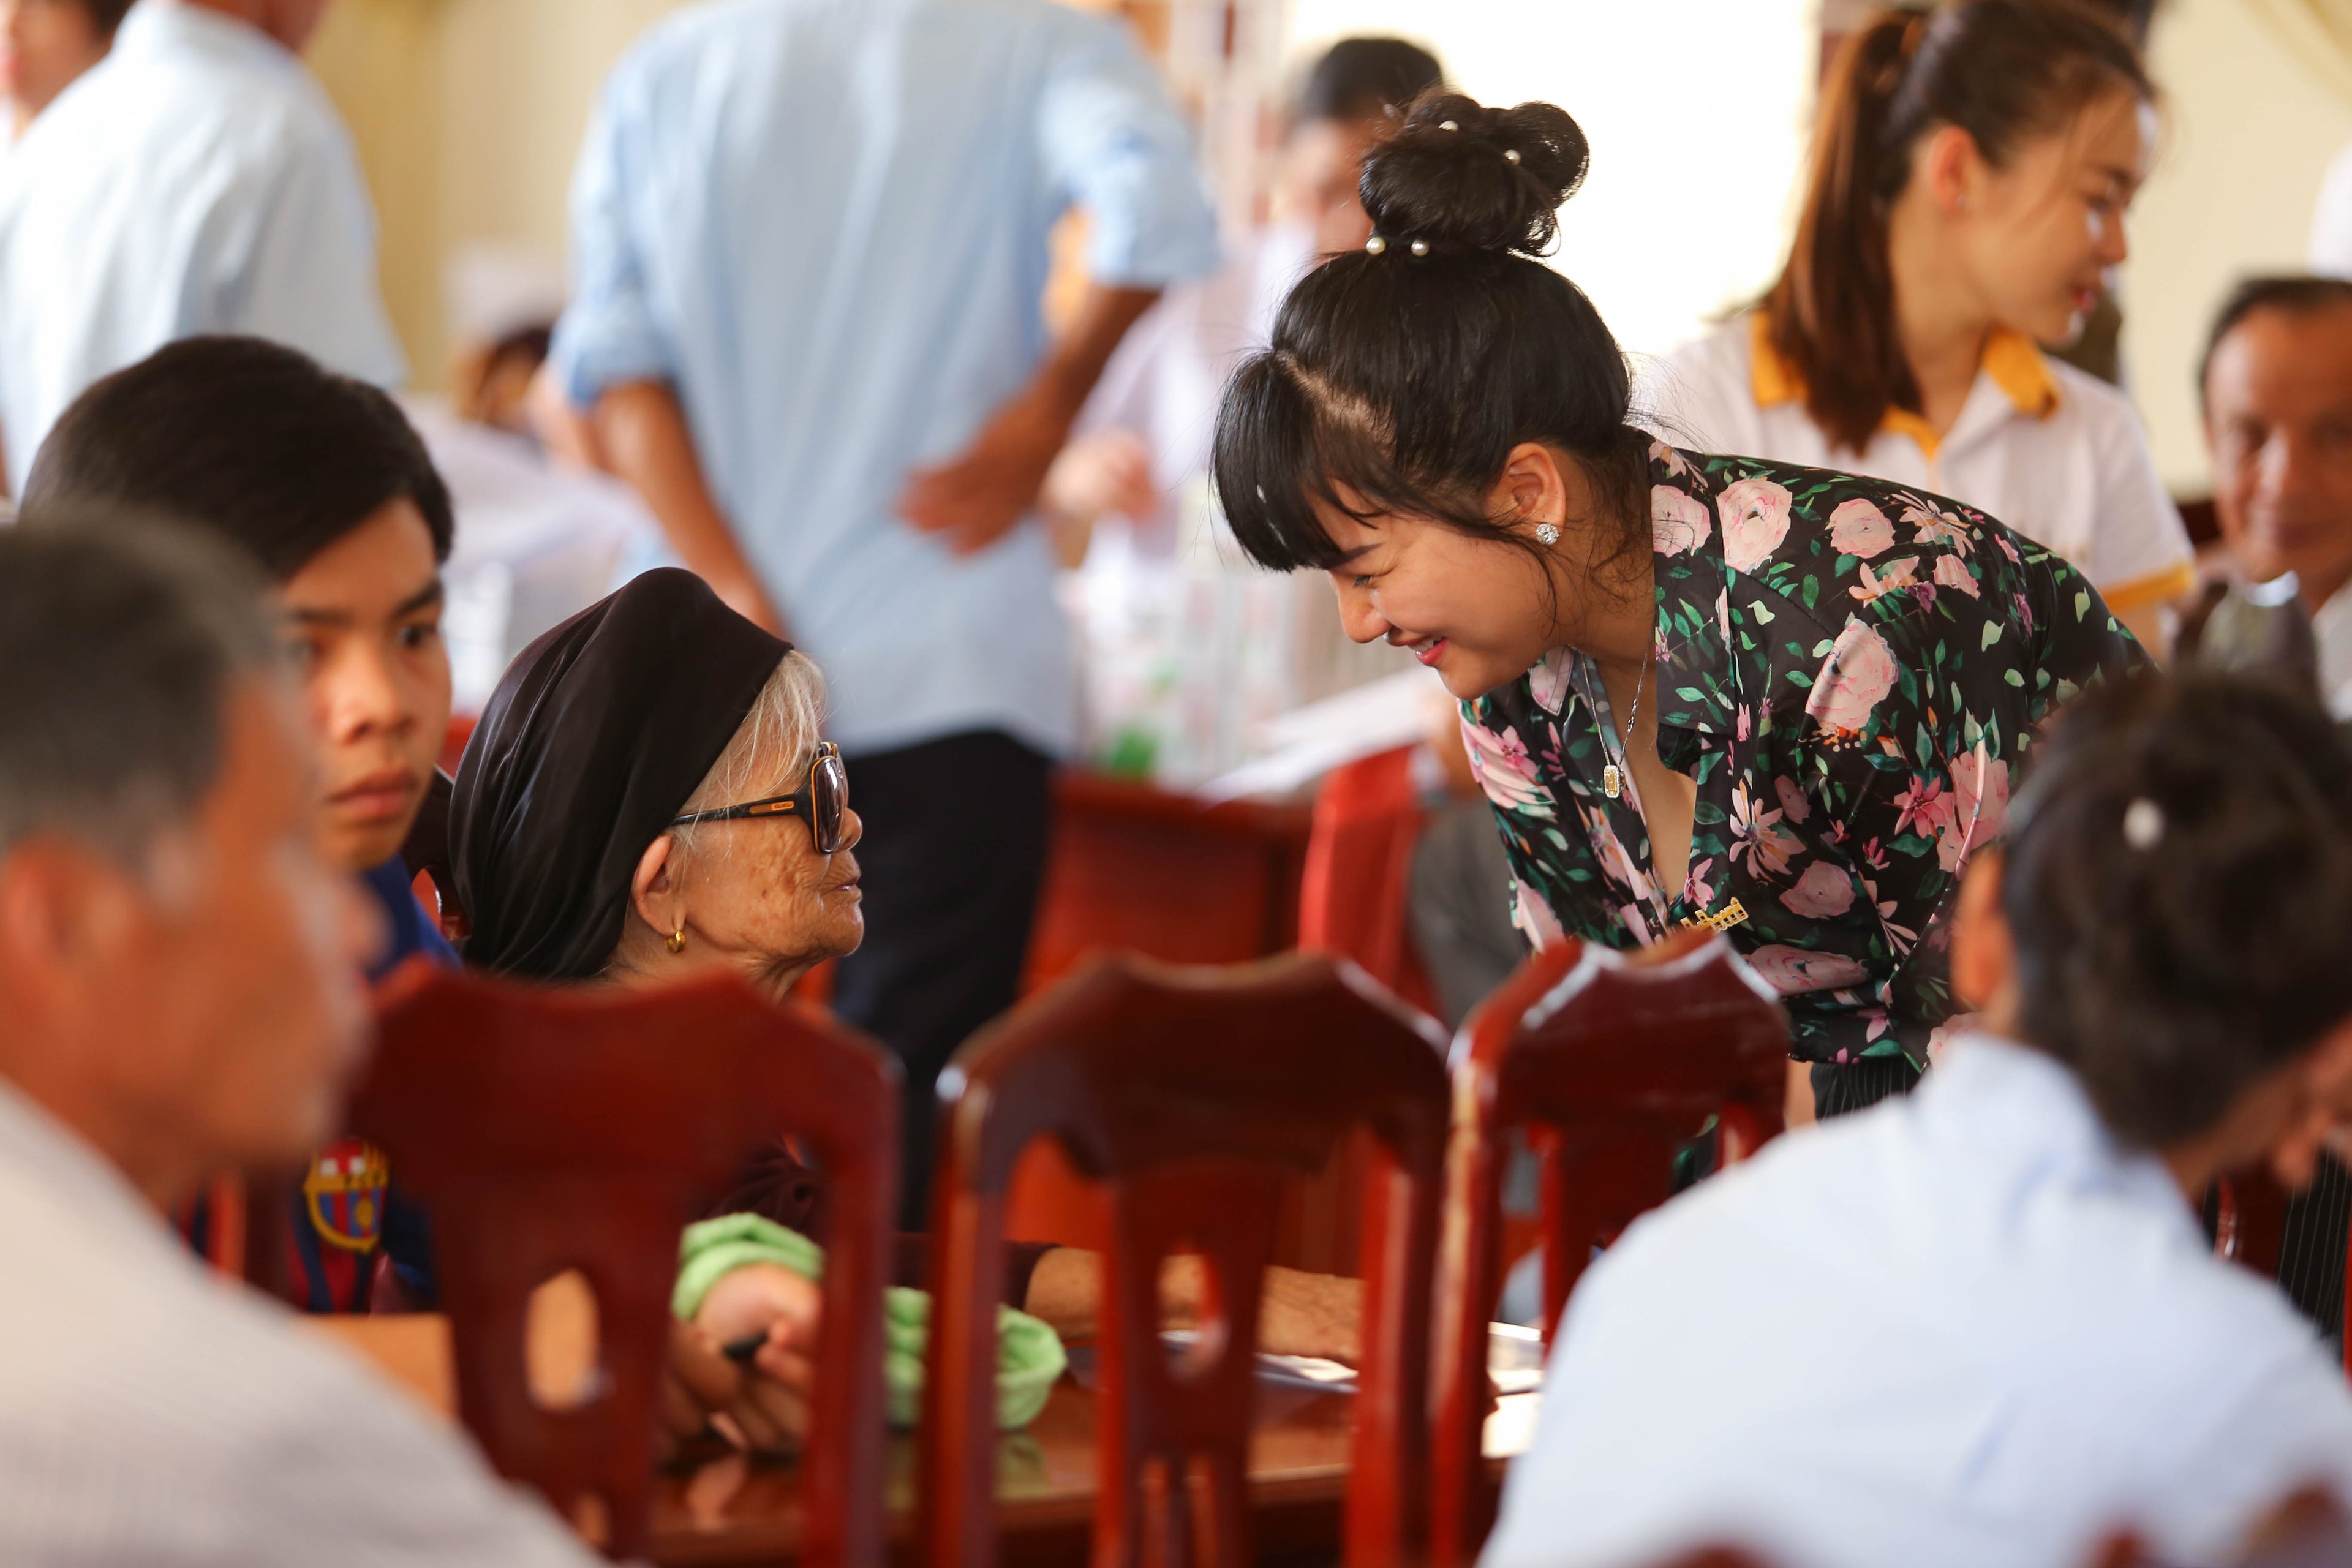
<point x="1029" y="1355"/>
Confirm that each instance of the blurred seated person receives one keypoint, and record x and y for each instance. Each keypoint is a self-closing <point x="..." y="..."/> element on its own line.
<point x="2276" y="383"/>
<point x="179" y="970"/>
<point x="597" y="836"/>
<point x="44" y="45"/>
<point x="319" y="478"/>
<point x="2038" y="1344"/>
<point x="1145" y="431"/>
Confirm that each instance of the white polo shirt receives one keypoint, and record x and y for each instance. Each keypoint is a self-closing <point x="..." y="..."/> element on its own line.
<point x="2057" y="455"/>
<point x="1960" y="1328"/>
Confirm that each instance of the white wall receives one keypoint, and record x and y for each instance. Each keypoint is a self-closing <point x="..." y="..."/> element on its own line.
<point x="1697" y="111"/>
<point x="2248" y="130"/>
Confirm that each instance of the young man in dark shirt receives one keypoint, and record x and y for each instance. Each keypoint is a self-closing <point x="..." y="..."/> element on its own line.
<point x="320" y="478"/>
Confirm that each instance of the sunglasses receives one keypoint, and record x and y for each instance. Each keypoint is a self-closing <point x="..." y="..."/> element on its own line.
<point x="822" y="802"/>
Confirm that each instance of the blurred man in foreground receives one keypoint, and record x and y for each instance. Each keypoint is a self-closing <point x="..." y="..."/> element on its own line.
<point x="179" y="994"/>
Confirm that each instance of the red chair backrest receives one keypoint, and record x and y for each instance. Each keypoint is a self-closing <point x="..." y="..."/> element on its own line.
<point x="1609" y="1060"/>
<point x="2250" y="1225"/>
<point x="1192" y="1094"/>
<point x="550" y="1129"/>
<point x="1356" y="889"/>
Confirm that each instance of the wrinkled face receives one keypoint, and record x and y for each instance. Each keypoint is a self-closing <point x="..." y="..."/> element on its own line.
<point x="364" y="617"/>
<point x="2038" y="236"/>
<point x="1316" y="181"/>
<point x="1479" y="611"/>
<point x="44" y="44"/>
<point x="757" y="896"/>
<point x="247" y="1018"/>
<point x="2278" y="417"/>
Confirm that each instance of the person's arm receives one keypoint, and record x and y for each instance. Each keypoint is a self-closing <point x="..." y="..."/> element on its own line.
<point x="975" y="496"/>
<point x="1299" y="1314"/>
<point x="614" y="355"/>
<point x="641" y="434"/>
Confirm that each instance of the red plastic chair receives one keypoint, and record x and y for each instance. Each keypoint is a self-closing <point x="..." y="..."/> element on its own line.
<point x="1610" y="1060"/>
<point x="549" y="1130"/>
<point x="1356" y="891"/>
<point x="1192" y="1094"/>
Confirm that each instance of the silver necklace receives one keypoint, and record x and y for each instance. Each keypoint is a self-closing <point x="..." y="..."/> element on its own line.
<point x="1612" y="778"/>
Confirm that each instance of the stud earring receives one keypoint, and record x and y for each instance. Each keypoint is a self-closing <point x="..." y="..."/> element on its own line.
<point x="675" y="940"/>
<point x="1548" y="533"/>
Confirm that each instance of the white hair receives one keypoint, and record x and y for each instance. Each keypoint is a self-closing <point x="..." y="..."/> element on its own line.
<point x="772" y="748"/>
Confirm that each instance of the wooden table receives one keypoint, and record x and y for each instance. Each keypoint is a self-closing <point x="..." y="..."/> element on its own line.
<point x="737" y="1512"/>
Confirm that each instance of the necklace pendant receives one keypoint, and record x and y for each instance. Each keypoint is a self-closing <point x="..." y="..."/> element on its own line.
<point x="1613" y="782"/>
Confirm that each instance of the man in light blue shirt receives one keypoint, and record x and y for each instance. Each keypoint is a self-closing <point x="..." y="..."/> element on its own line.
<point x="197" y="179"/>
<point x="809" y="245"/>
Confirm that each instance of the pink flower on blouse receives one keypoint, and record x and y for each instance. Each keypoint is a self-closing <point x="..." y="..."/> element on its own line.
<point x="1980" y="797"/>
<point x="1679" y="522"/>
<point x="1951" y="572"/>
<point x="1822" y="893"/>
<point x="1859" y="528"/>
<point x="1942" y="528"/>
<point x="1533" y="916"/>
<point x="1855" y="679"/>
<point x="1501" y="766"/>
<point x="1899" y="575"/>
<point x="1792" y="970"/>
<point x="1755" y="514"/>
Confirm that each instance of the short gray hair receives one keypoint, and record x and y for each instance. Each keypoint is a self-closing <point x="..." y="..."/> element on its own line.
<point x="773" y="747"/>
<point x="120" y="644"/>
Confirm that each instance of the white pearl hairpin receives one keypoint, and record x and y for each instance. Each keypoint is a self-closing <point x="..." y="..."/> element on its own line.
<point x="2143" y="824"/>
<point x="1376" y="245"/>
<point x="1510" y="155"/>
<point x="1547" y="533"/>
<point x="1447" y="125"/>
<point x="1421" y="247"/>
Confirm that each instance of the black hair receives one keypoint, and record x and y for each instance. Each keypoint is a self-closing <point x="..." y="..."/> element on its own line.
<point x="247" y="438"/>
<point x="121" y="638"/>
<point x="2294" y="294"/>
<point x="2179" y="882"/>
<point x="106" y="15"/>
<point x="1408" y="372"/>
<point x="1366" y="79"/>
<point x="2001" y="70"/>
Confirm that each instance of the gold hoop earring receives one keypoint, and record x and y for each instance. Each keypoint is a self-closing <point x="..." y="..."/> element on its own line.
<point x="675" y="940"/>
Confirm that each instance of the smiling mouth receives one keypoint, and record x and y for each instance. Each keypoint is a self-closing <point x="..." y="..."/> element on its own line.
<point x="1429" y="652"/>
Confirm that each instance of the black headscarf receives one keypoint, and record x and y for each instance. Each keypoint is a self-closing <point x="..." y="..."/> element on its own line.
<point x="597" y="736"/>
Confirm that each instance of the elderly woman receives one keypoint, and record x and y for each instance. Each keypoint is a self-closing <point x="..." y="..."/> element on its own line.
<point x="646" y="798"/>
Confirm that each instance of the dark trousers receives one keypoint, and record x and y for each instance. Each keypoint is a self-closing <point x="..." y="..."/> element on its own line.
<point x="954" y="853"/>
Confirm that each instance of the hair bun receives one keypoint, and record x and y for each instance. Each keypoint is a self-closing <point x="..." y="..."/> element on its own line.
<point x="1460" y="176"/>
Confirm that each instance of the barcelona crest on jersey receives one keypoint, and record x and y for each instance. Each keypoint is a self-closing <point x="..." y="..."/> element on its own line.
<point x="344" y="1192"/>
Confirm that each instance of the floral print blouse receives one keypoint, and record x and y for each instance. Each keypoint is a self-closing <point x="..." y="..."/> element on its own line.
<point x="1851" y="671"/>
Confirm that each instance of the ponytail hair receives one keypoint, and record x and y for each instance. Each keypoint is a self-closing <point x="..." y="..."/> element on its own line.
<point x="2004" y="71"/>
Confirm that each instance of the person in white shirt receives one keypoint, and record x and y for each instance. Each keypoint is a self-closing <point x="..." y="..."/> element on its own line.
<point x="2276" y="382"/>
<point x="1969" y="179"/>
<point x="197" y="179"/>
<point x="2022" y="1339"/>
<point x="179" y="974"/>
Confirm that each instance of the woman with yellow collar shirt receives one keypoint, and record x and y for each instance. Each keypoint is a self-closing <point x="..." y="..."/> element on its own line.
<point x="1970" y="174"/>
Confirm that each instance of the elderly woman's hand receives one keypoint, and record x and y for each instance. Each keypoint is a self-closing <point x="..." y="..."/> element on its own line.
<point x="763" y="1406"/>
